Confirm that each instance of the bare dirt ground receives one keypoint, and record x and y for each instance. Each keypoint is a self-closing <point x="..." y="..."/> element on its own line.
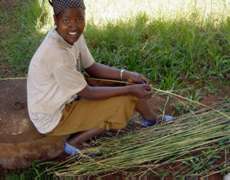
<point x="20" y="143"/>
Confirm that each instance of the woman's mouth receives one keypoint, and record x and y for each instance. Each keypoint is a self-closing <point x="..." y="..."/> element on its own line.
<point x="73" y="33"/>
<point x="72" y="37"/>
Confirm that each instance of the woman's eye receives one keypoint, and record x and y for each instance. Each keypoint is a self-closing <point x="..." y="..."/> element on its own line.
<point x="81" y="18"/>
<point x="66" y="21"/>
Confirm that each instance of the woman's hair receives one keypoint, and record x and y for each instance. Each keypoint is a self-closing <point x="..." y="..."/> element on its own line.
<point x="60" y="5"/>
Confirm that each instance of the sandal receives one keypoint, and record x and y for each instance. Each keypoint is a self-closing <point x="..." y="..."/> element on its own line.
<point x="147" y="123"/>
<point x="71" y="150"/>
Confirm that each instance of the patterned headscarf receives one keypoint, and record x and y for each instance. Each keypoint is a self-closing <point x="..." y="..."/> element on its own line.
<point x="60" y="5"/>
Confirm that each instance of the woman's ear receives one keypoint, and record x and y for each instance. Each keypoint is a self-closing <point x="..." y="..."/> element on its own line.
<point x="55" y="19"/>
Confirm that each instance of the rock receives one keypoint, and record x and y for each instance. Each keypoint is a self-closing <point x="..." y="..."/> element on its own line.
<point x="20" y="143"/>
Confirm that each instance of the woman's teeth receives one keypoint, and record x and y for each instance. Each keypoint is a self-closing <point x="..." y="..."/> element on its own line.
<point x="73" y="33"/>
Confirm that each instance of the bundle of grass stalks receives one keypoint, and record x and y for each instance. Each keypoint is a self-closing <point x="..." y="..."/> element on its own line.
<point x="197" y="143"/>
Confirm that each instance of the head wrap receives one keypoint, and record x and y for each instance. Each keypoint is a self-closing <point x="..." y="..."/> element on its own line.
<point x="60" y="5"/>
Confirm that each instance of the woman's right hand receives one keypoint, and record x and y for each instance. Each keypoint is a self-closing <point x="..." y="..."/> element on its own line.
<point x="140" y="90"/>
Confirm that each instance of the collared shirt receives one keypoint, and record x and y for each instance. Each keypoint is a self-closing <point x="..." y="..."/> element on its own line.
<point x="55" y="78"/>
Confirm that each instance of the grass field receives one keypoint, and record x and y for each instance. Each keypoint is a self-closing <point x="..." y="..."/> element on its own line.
<point x="177" y="44"/>
<point x="171" y="42"/>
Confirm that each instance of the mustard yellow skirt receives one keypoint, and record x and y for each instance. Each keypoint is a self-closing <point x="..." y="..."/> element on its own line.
<point x="83" y="115"/>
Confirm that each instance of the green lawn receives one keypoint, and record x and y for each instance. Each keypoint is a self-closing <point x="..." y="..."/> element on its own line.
<point x="173" y="51"/>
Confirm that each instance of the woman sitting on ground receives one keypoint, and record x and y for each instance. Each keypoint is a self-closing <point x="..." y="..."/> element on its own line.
<point x="60" y="102"/>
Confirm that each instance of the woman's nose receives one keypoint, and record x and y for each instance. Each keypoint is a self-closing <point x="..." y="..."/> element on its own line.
<point x="76" y="25"/>
<point x="73" y="24"/>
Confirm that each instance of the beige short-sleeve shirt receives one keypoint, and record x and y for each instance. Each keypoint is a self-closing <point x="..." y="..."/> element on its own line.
<point x="55" y="78"/>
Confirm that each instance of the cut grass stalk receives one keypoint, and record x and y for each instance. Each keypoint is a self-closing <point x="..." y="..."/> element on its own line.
<point x="158" y="146"/>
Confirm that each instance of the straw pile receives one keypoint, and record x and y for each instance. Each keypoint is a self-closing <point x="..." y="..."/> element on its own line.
<point x="195" y="144"/>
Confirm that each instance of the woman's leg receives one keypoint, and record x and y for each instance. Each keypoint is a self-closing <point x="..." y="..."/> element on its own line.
<point x="77" y="140"/>
<point x="143" y="106"/>
<point x="93" y="117"/>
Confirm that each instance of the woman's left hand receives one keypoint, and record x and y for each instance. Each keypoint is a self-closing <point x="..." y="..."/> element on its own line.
<point x="134" y="77"/>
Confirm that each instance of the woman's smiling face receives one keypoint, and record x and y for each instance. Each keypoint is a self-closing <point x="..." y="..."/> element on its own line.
<point x="70" y="24"/>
